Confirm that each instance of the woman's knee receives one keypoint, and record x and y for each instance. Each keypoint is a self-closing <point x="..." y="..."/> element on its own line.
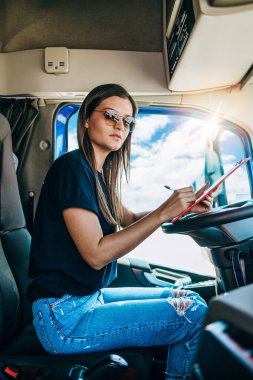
<point x="178" y="293"/>
<point x="197" y="312"/>
<point x="193" y="309"/>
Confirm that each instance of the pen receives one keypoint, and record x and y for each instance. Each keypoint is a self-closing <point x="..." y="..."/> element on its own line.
<point x="169" y="188"/>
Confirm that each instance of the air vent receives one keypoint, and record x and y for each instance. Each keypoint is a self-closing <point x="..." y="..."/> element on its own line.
<point x="56" y="60"/>
<point x="182" y="19"/>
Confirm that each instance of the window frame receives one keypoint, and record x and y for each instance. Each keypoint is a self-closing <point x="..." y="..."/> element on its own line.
<point x="180" y="111"/>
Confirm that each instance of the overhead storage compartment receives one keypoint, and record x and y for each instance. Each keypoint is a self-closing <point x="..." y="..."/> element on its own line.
<point x="204" y="45"/>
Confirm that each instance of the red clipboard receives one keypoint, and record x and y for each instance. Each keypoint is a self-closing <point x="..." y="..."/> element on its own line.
<point x="212" y="188"/>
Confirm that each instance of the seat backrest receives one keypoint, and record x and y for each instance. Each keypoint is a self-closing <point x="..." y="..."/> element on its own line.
<point x="10" y="319"/>
<point x="14" y="245"/>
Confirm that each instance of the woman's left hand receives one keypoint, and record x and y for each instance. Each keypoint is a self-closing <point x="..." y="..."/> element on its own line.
<point x="204" y="205"/>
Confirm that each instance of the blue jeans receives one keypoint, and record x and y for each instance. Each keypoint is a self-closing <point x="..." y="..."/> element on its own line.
<point x="124" y="317"/>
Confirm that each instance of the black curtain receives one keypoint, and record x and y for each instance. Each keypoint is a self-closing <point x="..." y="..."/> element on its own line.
<point x="21" y="114"/>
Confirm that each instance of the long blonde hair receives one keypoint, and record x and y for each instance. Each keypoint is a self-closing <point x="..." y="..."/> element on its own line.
<point x="116" y="163"/>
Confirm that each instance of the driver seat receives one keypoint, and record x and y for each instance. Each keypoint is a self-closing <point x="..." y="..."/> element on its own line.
<point x="18" y="341"/>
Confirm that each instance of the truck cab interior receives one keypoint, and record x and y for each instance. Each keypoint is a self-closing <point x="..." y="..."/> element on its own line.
<point x="188" y="64"/>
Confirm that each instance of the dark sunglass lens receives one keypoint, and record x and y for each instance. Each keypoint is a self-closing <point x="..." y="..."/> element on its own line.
<point x="129" y="123"/>
<point x="132" y="125"/>
<point x="107" y="115"/>
<point x="111" y="116"/>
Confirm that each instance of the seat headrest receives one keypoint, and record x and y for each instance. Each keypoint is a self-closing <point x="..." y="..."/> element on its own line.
<point x="11" y="212"/>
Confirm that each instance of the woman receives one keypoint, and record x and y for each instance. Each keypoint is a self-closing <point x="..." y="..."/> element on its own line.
<point x="76" y="243"/>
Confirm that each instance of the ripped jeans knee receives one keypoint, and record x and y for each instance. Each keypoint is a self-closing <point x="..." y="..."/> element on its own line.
<point x="188" y="304"/>
<point x="180" y="304"/>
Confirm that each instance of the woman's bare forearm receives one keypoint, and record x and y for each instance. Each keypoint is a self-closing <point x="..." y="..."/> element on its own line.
<point x="140" y="215"/>
<point x="114" y="246"/>
<point x="98" y="250"/>
<point x="130" y="217"/>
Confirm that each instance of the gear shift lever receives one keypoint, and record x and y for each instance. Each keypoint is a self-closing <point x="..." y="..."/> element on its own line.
<point x="107" y="368"/>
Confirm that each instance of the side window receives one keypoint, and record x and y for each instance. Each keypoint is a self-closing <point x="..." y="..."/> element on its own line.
<point x="72" y="132"/>
<point x="65" y="129"/>
<point x="177" y="148"/>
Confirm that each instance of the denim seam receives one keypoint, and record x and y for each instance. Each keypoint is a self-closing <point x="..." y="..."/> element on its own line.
<point x="60" y="300"/>
<point x="177" y="377"/>
<point x="141" y="328"/>
<point x="44" y="332"/>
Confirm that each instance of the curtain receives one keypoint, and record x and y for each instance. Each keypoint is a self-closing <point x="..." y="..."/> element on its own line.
<point x="21" y="114"/>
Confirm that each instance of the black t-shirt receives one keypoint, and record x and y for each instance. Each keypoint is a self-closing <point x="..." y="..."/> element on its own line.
<point x="56" y="266"/>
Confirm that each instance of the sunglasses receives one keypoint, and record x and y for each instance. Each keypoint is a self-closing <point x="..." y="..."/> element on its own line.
<point x="112" y="118"/>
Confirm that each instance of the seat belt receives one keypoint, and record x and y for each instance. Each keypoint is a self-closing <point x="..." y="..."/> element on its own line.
<point x="9" y="372"/>
<point x="30" y="211"/>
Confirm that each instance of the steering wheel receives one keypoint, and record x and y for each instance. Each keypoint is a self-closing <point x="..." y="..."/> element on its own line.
<point x="217" y="216"/>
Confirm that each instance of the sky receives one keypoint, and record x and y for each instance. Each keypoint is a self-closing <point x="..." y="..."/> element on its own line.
<point x="171" y="150"/>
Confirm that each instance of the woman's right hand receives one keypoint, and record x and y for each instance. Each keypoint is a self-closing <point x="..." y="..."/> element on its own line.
<point x="176" y="203"/>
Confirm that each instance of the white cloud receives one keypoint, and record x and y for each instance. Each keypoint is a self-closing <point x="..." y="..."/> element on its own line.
<point x="177" y="160"/>
<point x="148" y="125"/>
<point x="72" y="140"/>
